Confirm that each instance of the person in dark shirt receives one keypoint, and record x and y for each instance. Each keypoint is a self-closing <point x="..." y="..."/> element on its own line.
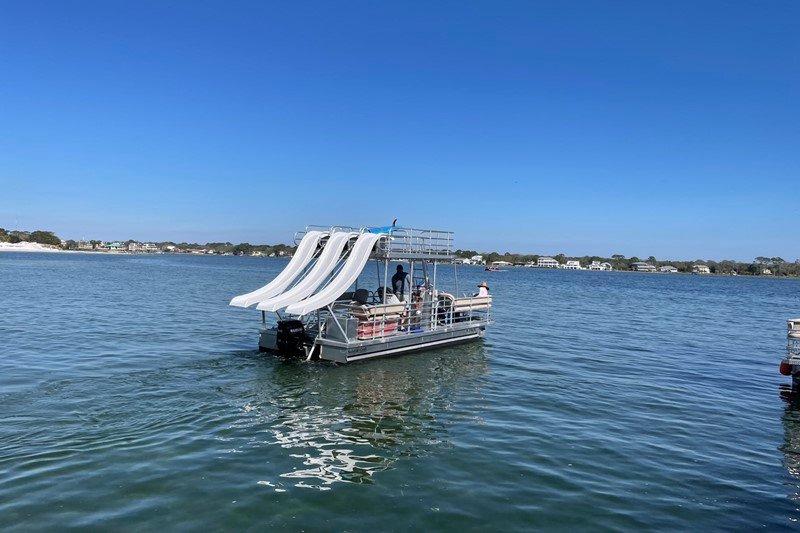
<point x="401" y="284"/>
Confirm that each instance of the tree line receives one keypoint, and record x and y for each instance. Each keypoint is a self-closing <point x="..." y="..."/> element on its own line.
<point x="39" y="236"/>
<point x="48" y="237"/>
<point x="776" y="265"/>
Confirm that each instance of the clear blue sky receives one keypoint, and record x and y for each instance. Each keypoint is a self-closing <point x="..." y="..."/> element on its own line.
<point x="663" y="128"/>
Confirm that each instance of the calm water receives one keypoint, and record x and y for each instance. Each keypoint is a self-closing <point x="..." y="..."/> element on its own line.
<point x="132" y="396"/>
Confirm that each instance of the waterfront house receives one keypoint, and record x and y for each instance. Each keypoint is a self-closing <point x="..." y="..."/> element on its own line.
<point x="597" y="265"/>
<point x="115" y="246"/>
<point x="85" y="245"/>
<point x="700" y="269"/>
<point x="476" y="259"/>
<point x="147" y="247"/>
<point x="547" y="262"/>
<point x="641" y="266"/>
<point x="767" y="272"/>
<point x="572" y="265"/>
<point x="668" y="269"/>
<point x="497" y="264"/>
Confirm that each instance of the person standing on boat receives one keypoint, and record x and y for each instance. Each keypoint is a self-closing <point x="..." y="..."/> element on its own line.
<point x="483" y="289"/>
<point x="401" y="284"/>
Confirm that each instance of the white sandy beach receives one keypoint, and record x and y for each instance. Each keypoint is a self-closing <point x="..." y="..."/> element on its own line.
<point x="27" y="247"/>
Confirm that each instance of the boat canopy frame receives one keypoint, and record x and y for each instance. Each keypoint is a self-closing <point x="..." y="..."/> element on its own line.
<point x="401" y="244"/>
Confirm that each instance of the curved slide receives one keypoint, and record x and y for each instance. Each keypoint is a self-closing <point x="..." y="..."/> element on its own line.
<point x="302" y="257"/>
<point x="346" y="277"/>
<point x="326" y="263"/>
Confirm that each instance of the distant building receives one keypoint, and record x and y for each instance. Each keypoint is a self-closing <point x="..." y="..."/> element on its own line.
<point x="641" y="266"/>
<point x="597" y="265"/>
<point x="115" y="246"/>
<point x="500" y="264"/>
<point x="668" y="268"/>
<point x="85" y="245"/>
<point x="700" y="269"/>
<point x="477" y="259"/>
<point x="766" y="272"/>
<point x="547" y="262"/>
<point x="146" y="247"/>
<point x="572" y="265"/>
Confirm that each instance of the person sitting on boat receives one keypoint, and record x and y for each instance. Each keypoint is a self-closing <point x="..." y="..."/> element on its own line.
<point x="483" y="289"/>
<point x="421" y="288"/>
<point x="401" y="284"/>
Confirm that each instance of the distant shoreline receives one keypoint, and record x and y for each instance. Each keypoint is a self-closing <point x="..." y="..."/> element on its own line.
<point x="32" y="247"/>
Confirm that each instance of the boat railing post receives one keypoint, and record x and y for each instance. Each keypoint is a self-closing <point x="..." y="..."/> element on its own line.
<point x="385" y="276"/>
<point x="411" y="296"/>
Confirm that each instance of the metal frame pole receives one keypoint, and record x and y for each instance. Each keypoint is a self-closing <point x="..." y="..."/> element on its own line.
<point x="385" y="277"/>
<point x="455" y="273"/>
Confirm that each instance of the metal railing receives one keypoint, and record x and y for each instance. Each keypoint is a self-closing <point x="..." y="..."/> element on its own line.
<point x="415" y="242"/>
<point x="402" y="242"/>
<point x="378" y="321"/>
<point x="793" y="341"/>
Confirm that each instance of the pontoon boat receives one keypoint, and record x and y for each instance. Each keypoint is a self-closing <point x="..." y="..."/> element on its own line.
<point x="327" y="307"/>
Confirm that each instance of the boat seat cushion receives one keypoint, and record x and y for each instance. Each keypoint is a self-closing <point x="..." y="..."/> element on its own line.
<point x="377" y="312"/>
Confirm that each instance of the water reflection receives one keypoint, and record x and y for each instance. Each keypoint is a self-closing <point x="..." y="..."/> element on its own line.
<point x="791" y="446"/>
<point x="346" y="423"/>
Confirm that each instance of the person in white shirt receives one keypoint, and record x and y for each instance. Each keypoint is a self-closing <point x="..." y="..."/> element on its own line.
<point x="483" y="289"/>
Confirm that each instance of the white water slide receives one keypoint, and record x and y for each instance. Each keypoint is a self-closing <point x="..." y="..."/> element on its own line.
<point x="346" y="277"/>
<point x="302" y="257"/>
<point x="326" y="264"/>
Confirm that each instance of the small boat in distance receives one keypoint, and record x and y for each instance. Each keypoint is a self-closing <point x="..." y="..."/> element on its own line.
<point x="325" y="308"/>
<point x="494" y="266"/>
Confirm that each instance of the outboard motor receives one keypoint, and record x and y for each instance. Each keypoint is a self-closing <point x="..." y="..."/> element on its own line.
<point x="291" y="338"/>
